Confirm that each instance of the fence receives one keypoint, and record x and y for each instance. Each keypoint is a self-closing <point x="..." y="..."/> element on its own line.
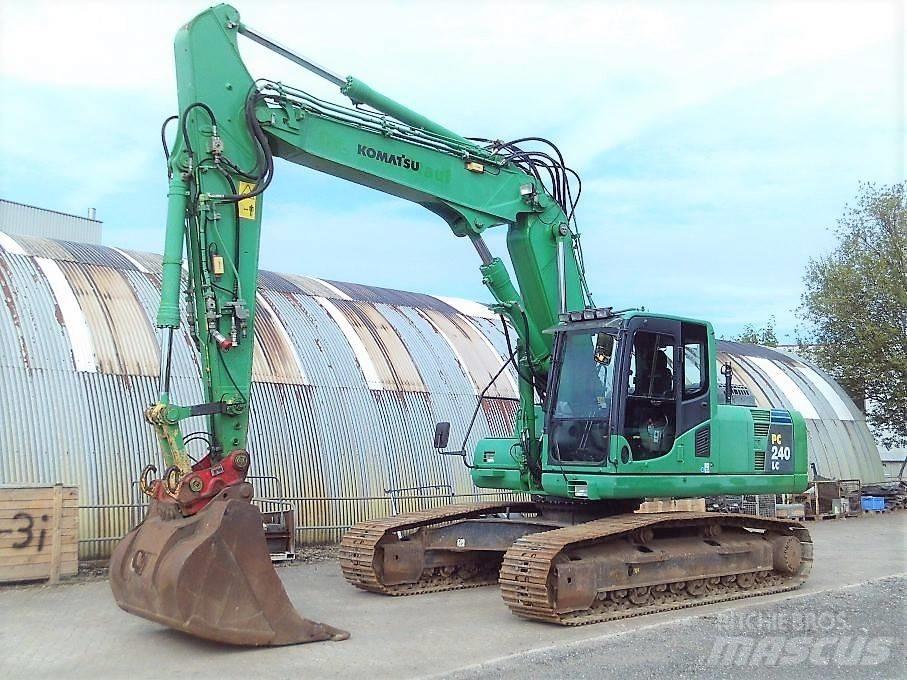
<point x="318" y="520"/>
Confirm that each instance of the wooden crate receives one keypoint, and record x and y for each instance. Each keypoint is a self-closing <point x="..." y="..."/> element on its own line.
<point x="673" y="505"/>
<point x="790" y="511"/>
<point x="39" y="532"/>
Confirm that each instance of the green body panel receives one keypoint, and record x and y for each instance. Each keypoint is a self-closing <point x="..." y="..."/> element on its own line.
<point x="398" y="151"/>
<point x="600" y="487"/>
<point x="733" y="466"/>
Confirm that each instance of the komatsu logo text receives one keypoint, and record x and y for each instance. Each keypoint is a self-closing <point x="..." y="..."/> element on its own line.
<point x="400" y="160"/>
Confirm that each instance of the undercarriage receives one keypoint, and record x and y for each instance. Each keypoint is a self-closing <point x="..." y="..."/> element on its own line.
<point x="573" y="564"/>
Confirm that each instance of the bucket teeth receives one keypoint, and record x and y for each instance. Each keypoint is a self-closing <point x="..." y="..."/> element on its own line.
<point x="209" y="575"/>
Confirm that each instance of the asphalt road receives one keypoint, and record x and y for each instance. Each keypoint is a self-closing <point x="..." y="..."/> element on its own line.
<point x="847" y="620"/>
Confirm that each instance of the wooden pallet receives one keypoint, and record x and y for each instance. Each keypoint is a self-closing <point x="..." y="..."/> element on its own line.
<point x="826" y="516"/>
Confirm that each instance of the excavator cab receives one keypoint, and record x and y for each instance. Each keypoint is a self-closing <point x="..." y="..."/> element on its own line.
<point x="631" y="410"/>
<point x="639" y="377"/>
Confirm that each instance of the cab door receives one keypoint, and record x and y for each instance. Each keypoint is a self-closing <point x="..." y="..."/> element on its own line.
<point x="650" y="388"/>
<point x="694" y="365"/>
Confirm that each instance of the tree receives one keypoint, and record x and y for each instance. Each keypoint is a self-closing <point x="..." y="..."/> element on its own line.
<point x="855" y="307"/>
<point x="763" y="336"/>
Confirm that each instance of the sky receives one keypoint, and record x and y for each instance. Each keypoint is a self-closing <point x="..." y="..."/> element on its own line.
<point x="718" y="141"/>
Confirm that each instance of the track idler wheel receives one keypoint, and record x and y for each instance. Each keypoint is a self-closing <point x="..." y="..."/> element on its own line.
<point x="787" y="555"/>
<point x="209" y="575"/>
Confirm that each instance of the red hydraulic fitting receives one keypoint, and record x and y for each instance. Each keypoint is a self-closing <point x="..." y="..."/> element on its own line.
<point x="223" y="342"/>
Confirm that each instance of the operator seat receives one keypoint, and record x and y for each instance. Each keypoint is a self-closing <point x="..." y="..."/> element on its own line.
<point x="662" y="379"/>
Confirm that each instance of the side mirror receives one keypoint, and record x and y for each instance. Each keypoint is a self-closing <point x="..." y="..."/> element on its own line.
<point x="604" y="348"/>
<point x="442" y="435"/>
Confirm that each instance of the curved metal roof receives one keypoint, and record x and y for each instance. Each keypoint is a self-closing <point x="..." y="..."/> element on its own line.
<point x="348" y="382"/>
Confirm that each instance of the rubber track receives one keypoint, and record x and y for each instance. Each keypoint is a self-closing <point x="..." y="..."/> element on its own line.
<point x="358" y="546"/>
<point x="529" y="563"/>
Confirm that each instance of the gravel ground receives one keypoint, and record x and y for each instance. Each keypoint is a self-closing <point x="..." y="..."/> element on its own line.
<point x="854" y="632"/>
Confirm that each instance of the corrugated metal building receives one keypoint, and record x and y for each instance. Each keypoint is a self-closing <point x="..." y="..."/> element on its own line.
<point x="28" y="220"/>
<point x="892" y="456"/>
<point x="348" y="383"/>
<point x="893" y="461"/>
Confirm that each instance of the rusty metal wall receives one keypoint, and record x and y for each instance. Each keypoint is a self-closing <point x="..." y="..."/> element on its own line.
<point x="349" y="381"/>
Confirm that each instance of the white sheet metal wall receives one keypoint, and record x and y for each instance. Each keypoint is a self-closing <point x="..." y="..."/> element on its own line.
<point x="840" y="444"/>
<point x="348" y="383"/>
<point x="19" y="218"/>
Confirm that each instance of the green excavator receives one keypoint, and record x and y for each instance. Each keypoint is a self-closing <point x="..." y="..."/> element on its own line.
<point x="615" y="406"/>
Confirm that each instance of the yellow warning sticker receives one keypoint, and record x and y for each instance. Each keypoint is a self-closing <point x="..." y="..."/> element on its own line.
<point x="247" y="205"/>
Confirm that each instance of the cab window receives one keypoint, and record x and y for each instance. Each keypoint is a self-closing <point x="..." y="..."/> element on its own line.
<point x="695" y="366"/>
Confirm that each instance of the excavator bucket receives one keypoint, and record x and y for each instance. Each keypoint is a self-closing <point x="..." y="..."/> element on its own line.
<point x="209" y="575"/>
